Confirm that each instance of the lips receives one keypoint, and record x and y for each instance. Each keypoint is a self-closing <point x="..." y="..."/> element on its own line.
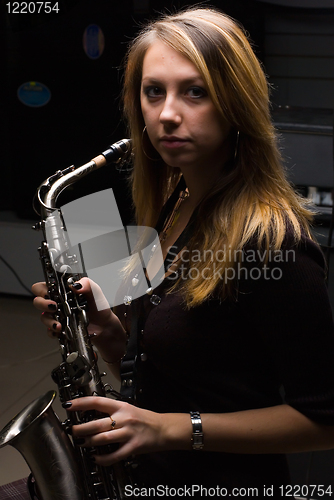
<point x="173" y="141"/>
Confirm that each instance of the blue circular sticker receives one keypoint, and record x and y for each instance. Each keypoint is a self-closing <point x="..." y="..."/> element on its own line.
<point x="34" y="94"/>
<point x="93" y="41"/>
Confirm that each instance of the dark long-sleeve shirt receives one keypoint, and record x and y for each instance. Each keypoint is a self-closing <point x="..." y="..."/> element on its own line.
<point x="274" y="343"/>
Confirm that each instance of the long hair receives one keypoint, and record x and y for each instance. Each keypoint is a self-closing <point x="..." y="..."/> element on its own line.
<point x="252" y="200"/>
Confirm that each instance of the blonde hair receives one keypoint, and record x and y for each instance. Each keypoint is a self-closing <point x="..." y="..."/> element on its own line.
<point x="253" y="199"/>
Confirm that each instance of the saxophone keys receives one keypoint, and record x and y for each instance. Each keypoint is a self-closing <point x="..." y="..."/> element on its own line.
<point x="72" y="357"/>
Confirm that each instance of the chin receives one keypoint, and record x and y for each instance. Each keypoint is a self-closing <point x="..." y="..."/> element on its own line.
<point x="178" y="160"/>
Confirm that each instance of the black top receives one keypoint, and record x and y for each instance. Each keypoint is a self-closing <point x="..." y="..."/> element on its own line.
<point x="274" y="343"/>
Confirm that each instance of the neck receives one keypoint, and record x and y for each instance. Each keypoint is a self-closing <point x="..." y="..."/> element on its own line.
<point x="201" y="180"/>
<point x="198" y="187"/>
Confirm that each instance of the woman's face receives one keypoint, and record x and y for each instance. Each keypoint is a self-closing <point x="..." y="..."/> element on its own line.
<point x="182" y="122"/>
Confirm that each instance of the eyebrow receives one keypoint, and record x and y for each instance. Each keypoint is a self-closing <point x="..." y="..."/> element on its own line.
<point x="187" y="81"/>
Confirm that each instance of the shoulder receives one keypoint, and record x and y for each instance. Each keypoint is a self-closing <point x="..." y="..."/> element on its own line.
<point x="294" y="273"/>
<point x="304" y="258"/>
<point x="303" y="246"/>
<point x="294" y="253"/>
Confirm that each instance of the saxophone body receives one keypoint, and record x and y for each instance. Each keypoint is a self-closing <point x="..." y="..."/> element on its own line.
<point x="61" y="470"/>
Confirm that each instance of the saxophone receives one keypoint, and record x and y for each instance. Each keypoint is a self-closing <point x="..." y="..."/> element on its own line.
<point x="60" y="470"/>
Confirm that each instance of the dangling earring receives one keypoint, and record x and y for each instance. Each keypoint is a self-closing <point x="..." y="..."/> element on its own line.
<point x="236" y="148"/>
<point x="142" y="145"/>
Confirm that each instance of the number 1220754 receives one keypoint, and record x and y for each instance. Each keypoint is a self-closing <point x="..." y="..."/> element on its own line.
<point x="306" y="491"/>
<point x="32" y="7"/>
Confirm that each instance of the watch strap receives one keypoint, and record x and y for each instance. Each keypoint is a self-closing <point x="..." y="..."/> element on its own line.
<point x="197" y="434"/>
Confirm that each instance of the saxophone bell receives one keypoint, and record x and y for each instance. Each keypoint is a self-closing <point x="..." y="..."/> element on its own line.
<point x="38" y="435"/>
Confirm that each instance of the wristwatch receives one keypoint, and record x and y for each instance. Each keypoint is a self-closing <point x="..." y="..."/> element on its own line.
<point x="197" y="435"/>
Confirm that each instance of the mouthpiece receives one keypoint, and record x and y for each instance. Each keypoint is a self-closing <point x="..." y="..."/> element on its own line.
<point x="117" y="152"/>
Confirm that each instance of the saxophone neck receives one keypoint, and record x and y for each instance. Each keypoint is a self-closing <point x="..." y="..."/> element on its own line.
<point x="47" y="194"/>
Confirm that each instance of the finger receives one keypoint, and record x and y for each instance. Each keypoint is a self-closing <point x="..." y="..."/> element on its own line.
<point x="101" y="425"/>
<point x="39" y="288"/>
<point x="93" y="294"/>
<point x="45" y="304"/>
<point x="51" y="324"/>
<point x="100" y="403"/>
<point x="102" y="439"/>
<point x="82" y="286"/>
<point x="53" y="334"/>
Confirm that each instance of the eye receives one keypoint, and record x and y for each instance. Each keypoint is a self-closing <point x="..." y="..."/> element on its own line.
<point x="153" y="91"/>
<point x="197" y="92"/>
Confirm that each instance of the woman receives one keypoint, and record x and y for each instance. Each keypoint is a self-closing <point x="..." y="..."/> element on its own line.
<point x="243" y="310"/>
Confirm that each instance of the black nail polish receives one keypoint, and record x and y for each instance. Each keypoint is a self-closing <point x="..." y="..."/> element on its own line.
<point x="54" y="326"/>
<point x="52" y="307"/>
<point x="77" y="286"/>
<point x="67" y="404"/>
<point x="47" y="297"/>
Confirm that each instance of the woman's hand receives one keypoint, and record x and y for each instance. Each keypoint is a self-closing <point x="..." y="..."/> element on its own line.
<point x="276" y="429"/>
<point x="108" y="334"/>
<point x="136" y="430"/>
<point x="100" y="315"/>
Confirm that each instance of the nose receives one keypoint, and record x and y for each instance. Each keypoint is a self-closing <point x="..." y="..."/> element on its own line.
<point x="171" y="111"/>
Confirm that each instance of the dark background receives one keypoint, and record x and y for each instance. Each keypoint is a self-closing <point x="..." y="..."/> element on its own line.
<point x="83" y="116"/>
